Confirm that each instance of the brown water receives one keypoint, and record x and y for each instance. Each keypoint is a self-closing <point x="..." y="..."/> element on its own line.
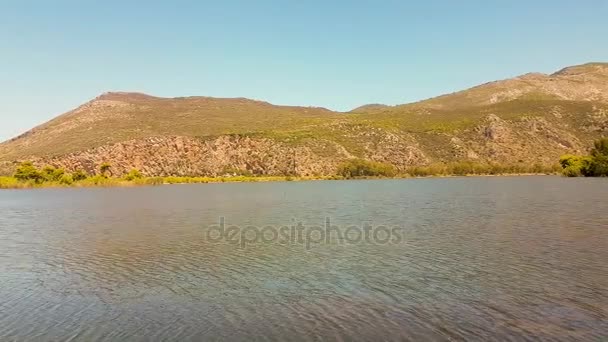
<point x="506" y="258"/>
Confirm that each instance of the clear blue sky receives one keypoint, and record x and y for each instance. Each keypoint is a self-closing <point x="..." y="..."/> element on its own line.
<point x="56" y="55"/>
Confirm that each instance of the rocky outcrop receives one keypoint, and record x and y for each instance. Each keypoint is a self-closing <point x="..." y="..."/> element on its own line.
<point x="528" y="139"/>
<point x="184" y="156"/>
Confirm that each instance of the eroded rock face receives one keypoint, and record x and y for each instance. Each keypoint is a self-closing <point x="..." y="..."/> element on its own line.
<point x="527" y="139"/>
<point x="495" y="129"/>
<point x="397" y="150"/>
<point x="184" y="156"/>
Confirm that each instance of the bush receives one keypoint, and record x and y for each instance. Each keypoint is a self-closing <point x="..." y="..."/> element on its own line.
<point x="51" y="174"/>
<point x="575" y="166"/>
<point x="79" y="175"/>
<point x="572" y="171"/>
<point x="595" y="165"/>
<point x="569" y="160"/>
<point x="598" y="167"/>
<point x="66" y="180"/>
<point x="9" y="183"/>
<point x="599" y="154"/>
<point x="365" y="168"/>
<point x="105" y="168"/>
<point x="47" y="173"/>
<point x="133" y="175"/>
<point x="97" y="180"/>
<point x="28" y="172"/>
<point x="600" y="148"/>
<point x="155" y="181"/>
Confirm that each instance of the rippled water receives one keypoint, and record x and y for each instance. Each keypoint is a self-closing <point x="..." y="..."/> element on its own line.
<point x="520" y="258"/>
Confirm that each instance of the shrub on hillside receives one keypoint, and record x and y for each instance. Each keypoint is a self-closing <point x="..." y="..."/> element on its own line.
<point x="600" y="148"/>
<point x="575" y="166"/>
<point x="105" y="169"/>
<point x="599" y="155"/>
<point x="598" y="166"/>
<point x="133" y="175"/>
<point x="595" y="165"/>
<point x="28" y="172"/>
<point x="79" y="175"/>
<point x="365" y="168"/>
<point x="52" y="174"/>
<point x="66" y="180"/>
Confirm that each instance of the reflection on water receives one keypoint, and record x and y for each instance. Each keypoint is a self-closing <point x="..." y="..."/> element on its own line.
<point x="482" y="258"/>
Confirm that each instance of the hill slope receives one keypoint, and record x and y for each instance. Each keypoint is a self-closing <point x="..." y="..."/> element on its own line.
<point x="529" y="119"/>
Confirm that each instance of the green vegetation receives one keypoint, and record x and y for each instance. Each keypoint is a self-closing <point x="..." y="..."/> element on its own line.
<point x="467" y="168"/>
<point x="594" y="165"/>
<point x="28" y="176"/>
<point x="133" y="175"/>
<point x="104" y="169"/>
<point x="355" y="168"/>
<point x="11" y="183"/>
<point x="574" y="166"/>
<point x="358" y="168"/>
<point x="26" y="172"/>
<point x="79" y="175"/>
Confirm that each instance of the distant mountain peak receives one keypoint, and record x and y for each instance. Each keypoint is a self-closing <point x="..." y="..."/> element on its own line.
<point x="124" y="95"/>
<point x="533" y="75"/>
<point x="588" y="68"/>
<point x="372" y="107"/>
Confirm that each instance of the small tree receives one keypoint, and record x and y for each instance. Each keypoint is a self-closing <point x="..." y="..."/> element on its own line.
<point x="58" y="174"/>
<point x="28" y="172"/>
<point x="51" y="174"/>
<point x="79" y="175"/>
<point x="105" y="168"/>
<point x="600" y="148"/>
<point x="133" y="175"/>
<point x="66" y="179"/>
<point x="599" y="154"/>
<point x="365" y="168"/>
<point x="575" y="166"/>
<point x="47" y="172"/>
<point x="598" y="166"/>
<point x="595" y="165"/>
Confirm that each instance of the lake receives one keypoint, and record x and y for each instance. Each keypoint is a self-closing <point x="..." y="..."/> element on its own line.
<point x="471" y="258"/>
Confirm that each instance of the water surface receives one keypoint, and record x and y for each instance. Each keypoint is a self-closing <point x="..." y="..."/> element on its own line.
<point x="519" y="258"/>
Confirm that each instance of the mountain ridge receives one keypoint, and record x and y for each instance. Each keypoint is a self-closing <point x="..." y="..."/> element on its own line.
<point x="531" y="118"/>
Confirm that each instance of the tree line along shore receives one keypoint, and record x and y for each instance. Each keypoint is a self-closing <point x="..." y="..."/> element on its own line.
<point x="29" y="176"/>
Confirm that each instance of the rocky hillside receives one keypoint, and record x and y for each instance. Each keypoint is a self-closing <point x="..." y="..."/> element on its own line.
<point x="533" y="118"/>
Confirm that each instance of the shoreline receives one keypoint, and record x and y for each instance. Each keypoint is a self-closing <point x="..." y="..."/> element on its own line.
<point x="11" y="183"/>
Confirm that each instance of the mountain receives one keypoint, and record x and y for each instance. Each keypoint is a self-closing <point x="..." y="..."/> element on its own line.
<point x="368" y="108"/>
<point x="529" y="119"/>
